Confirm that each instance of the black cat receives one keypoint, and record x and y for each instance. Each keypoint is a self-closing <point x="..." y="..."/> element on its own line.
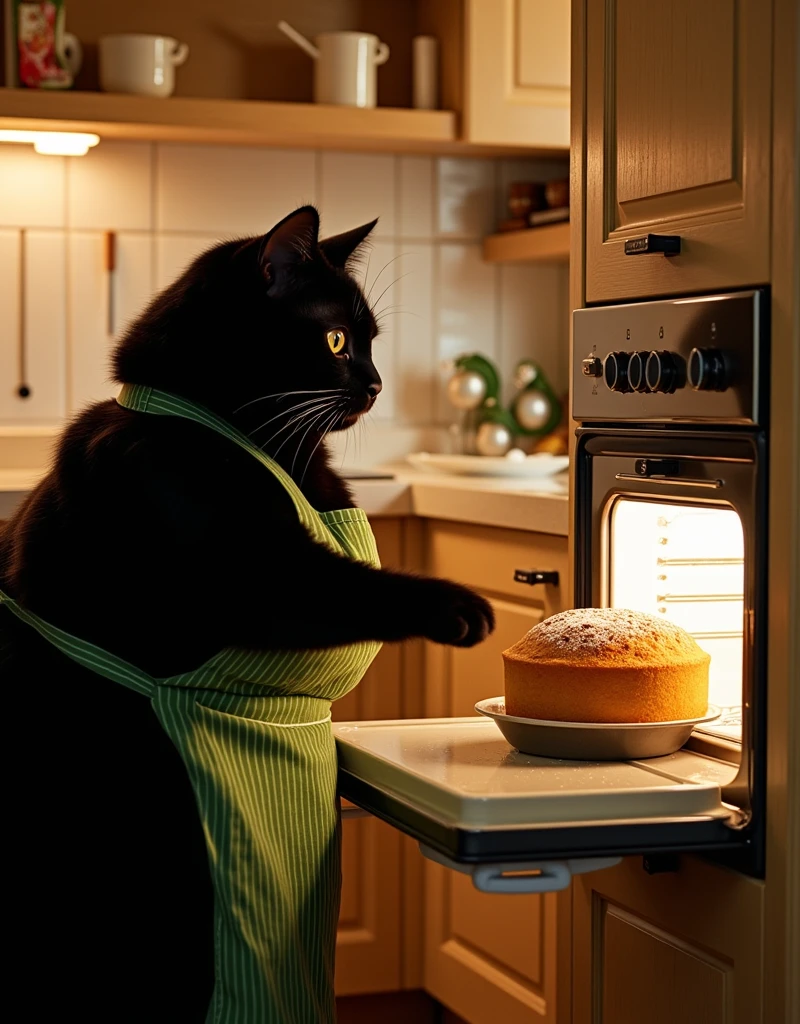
<point x="164" y="542"/>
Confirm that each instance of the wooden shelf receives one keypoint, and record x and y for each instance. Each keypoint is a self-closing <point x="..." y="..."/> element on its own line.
<point x="242" y="122"/>
<point x="548" y="243"/>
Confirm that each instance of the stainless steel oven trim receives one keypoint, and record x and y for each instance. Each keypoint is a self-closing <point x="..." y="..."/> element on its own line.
<point x="683" y="482"/>
<point x="744" y="490"/>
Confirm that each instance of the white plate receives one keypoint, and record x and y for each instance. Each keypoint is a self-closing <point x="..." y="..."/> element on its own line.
<point x="591" y="741"/>
<point x="542" y="464"/>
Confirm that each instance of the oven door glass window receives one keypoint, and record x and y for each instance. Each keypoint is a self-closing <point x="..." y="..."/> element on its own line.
<point x="686" y="563"/>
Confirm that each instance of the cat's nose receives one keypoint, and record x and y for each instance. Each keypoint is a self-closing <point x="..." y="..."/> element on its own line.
<point x="374" y="389"/>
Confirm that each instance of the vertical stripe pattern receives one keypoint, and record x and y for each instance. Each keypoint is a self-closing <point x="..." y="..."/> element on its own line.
<point x="253" y="728"/>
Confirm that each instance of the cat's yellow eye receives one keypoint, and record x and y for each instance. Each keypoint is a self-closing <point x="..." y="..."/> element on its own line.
<point x="336" y="340"/>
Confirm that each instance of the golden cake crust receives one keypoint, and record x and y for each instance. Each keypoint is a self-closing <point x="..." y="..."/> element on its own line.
<point x="606" y="665"/>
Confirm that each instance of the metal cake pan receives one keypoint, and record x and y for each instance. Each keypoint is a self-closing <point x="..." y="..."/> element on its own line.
<point x="591" y="741"/>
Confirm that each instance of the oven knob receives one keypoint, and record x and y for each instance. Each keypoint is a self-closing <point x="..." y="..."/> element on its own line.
<point x="664" y="372"/>
<point x="706" y="370"/>
<point x="615" y="371"/>
<point x="636" y="375"/>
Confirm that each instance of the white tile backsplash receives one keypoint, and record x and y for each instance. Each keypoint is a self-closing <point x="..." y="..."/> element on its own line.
<point x="466" y="189"/>
<point x="230" y="190"/>
<point x="413" y="320"/>
<point x="169" y="202"/>
<point x="32" y="188"/>
<point x="534" y="321"/>
<point x="467" y="314"/>
<point x="416" y="193"/>
<point x="356" y="188"/>
<point x="111" y="187"/>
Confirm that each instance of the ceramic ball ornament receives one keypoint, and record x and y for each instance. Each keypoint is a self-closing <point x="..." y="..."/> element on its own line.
<point x="493" y="438"/>
<point x="466" y="389"/>
<point x="533" y="409"/>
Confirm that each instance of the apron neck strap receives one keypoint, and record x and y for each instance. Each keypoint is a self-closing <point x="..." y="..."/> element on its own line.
<point x="94" y="658"/>
<point x="141" y="398"/>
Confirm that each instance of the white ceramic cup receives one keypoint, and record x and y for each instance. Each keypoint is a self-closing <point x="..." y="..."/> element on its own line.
<point x="140" y="64"/>
<point x="345" y="73"/>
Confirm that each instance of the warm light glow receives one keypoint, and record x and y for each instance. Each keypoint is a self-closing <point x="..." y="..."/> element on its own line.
<point x="53" y="143"/>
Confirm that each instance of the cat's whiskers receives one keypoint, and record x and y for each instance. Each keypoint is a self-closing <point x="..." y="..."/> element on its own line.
<point x="298" y="420"/>
<point x="289" y="410"/>
<point x="283" y="394"/>
<point x="361" y="303"/>
<point x="388" y="263"/>
<point x="328" y="426"/>
<point x="388" y="286"/>
<point x="302" y="441"/>
<point x="313" y="415"/>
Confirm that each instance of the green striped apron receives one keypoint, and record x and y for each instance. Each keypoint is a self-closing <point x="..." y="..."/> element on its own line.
<point x="253" y="728"/>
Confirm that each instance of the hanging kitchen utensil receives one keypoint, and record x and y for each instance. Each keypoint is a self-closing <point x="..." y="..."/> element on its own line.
<point x="536" y="408"/>
<point x="23" y="388"/>
<point x="111" y="266"/>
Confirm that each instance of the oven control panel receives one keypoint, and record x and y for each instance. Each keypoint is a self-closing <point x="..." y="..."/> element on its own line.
<point x="671" y="360"/>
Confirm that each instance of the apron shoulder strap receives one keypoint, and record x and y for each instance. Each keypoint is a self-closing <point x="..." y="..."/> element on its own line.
<point x="81" y="651"/>
<point x="141" y="398"/>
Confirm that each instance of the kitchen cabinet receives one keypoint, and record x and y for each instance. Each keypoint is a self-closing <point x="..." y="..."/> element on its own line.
<point x="33" y="326"/>
<point x="101" y="304"/>
<point x="368" y="950"/>
<point x="677" y="122"/>
<point x="489" y="957"/>
<point x="517" y="72"/>
<point x="685" y="945"/>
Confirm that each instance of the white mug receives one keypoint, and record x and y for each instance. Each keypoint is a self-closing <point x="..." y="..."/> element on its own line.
<point x="140" y="64"/>
<point x="345" y="71"/>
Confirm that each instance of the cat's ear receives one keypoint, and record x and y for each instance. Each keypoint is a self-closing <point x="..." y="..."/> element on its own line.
<point x="340" y="249"/>
<point x="292" y="242"/>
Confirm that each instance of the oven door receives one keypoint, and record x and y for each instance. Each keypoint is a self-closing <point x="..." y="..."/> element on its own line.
<point x="457" y="786"/>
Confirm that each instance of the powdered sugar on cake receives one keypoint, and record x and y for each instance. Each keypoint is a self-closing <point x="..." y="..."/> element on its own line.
<point x="607" y="635"/>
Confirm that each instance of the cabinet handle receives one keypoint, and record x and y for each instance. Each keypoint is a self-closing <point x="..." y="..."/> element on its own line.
<point x="667" y="245"/>
<point x="23" y="388"/>
<point x="534" y="576"/>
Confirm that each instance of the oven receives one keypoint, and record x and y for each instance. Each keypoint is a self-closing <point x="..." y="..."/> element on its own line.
<point x="670" y="493"/>
<point x="670" y="500"/>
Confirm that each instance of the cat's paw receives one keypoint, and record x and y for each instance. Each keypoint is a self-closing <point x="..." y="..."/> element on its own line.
<point x="456" y="615"/>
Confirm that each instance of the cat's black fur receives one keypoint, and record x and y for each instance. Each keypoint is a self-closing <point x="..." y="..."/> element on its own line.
<point x="158" y="539"/>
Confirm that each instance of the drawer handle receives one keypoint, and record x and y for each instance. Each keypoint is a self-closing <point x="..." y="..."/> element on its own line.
<point x="667" y="245"/>
<point x="534" y="576"/>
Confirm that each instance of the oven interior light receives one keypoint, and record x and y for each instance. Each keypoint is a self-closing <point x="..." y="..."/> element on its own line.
<point x="53" y="143"/>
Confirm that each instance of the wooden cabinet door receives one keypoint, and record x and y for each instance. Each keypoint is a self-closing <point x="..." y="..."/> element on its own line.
<point x="33" y="342"/>
<point x="683" y="947"/>
<point x="368" y="949"/>
<point x="517" y="72"/>
<point x="677" y="113"/>
<point x="488" y="957"/>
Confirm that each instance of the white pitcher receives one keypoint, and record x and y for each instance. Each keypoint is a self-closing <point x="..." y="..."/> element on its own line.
<point x="344" y="65"/>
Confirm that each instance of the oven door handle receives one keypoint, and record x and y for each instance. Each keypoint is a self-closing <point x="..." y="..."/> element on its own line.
<point x="672" y="480"/>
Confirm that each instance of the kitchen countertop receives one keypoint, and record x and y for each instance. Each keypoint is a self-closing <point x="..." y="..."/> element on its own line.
<point x="539" y="505"/>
